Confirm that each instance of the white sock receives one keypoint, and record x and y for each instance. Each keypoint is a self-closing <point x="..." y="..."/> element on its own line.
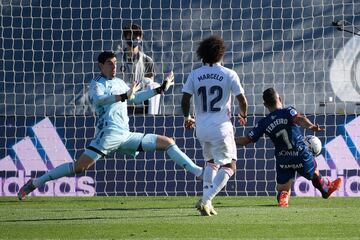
<point x="220" y="180"/>
<point x="210" y="171"/>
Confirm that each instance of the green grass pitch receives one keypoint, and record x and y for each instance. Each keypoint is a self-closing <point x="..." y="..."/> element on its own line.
<point x="176" y="218"/>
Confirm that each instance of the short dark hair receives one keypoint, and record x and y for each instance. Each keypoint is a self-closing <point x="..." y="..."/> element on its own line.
<point x="211" y="50"/>
<point x="134" y="30"/>
<point x="105" y="56"/>
<point x="269" y="97"/>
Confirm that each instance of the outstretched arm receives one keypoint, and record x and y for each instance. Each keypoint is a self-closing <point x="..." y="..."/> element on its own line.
<point x="307" y="124"/>
<point x="149" y="93"/>
<point x="98" y="98"/>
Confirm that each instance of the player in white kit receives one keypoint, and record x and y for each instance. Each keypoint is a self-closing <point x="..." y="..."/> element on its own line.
<point x="110" y="96"/>
<point x="212" y="86"/>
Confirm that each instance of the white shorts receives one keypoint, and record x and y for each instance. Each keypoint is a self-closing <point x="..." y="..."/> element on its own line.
<point x="222" y="152"/>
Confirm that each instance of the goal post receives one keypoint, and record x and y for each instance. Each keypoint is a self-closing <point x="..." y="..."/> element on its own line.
<point x="307" y="50"/>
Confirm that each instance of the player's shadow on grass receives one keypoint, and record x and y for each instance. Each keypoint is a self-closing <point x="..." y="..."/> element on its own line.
<point x="41" y="200"/>
<point x="51" y="219"/>
<point x="177" y="207"/>
<point x="245" y="206"/>
<point x="93" y="218"/>
<point x="135" y="209"/>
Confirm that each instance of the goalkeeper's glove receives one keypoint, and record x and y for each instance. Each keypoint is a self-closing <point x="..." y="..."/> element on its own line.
<point x="169" y="80"/>
<point x="130" y="94"/>
<point x="135" y="86"/>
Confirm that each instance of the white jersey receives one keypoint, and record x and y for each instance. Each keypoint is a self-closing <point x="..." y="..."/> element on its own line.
<point x="211" y="87"/>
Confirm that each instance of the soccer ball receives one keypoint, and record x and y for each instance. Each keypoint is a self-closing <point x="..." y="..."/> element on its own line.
<point x="314" y="144"/>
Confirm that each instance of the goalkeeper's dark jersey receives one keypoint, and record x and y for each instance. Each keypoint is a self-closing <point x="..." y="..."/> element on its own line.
<point x="284" y="133"/>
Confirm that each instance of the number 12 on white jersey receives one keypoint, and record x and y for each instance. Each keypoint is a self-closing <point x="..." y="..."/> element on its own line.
<point x="214" y="93"/>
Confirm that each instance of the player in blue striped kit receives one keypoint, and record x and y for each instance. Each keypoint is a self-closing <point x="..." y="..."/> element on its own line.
<point x="291" y="153"/>
<point x="110" y="96"/>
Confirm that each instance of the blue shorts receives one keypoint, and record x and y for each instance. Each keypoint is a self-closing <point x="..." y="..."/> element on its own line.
<point x="286" y="166"/>
<point x="109" y="140"/>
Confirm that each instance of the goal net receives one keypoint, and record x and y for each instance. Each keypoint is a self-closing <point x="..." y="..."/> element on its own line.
<point x="308" y="50"/>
